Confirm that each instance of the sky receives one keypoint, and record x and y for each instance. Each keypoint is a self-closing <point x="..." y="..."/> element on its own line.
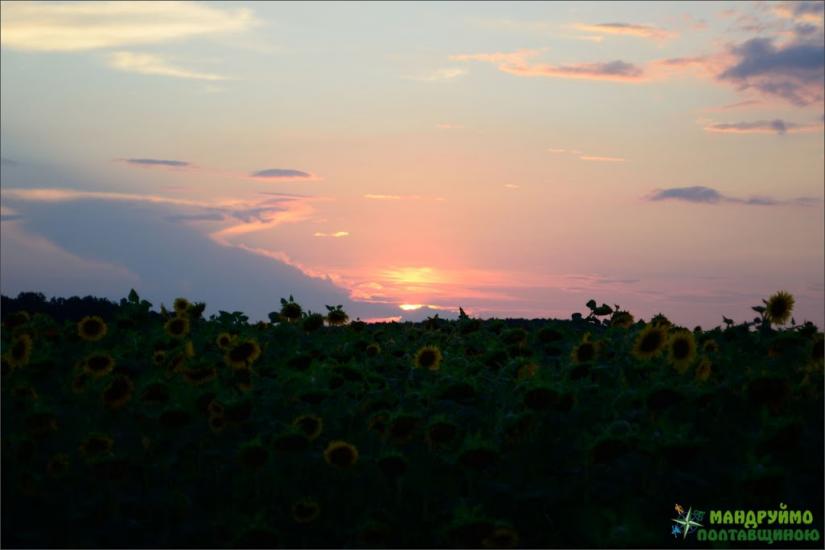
<point x="404" y="159"/>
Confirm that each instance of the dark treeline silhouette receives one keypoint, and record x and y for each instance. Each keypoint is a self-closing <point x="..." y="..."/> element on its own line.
<point x="60" y="309"/>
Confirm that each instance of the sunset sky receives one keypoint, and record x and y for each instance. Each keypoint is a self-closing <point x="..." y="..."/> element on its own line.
<point x="404" y="159"/>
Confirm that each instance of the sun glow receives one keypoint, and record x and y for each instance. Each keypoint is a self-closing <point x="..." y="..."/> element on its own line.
<point x="411" y="307"/>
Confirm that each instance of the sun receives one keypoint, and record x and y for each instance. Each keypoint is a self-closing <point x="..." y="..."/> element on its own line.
<point x="411" y="307"/>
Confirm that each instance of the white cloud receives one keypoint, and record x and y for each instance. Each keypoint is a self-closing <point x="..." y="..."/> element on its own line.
<point x="78" y="26"/>
<point x="155" y="65"/>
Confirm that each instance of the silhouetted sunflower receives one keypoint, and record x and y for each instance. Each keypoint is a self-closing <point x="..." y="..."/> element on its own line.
<point x="158" y="357"/>
<point x="199" y="376"/>
<point x="155" y="393"/>
<point x="373" y="349"/>
<point x="527" y="371"/>
<point x="181" y="306"/>
<point x="243" y="354"/>
<point x="177" y="327"/>
<point x="58" y="465"/>
<point x="703" y="370"/>
<point x="428" y="357"/>
<point x="224" y="340"/>
<point x="16" y="319"/>
<point x="118" y="392"/>
<point x="341" y="454"/>
<point x="99" y="364"/>
<point x="310" y="424"/>
<point x="217" y="424"/>
<point x="96" y="445"/>
<point x="710" y="346"/>
<point x="622" y="319"/>
<point x="91" y="328"/>
<point x="20" y="352"/>
<point x="79" y="383"/>
<point x="659" y="320"/>
<point x="778" y="308"/>
<point x="501" y="537"/>
<point x="681" y="350"/>
<point x="402" y="427"/>
<point x="441" y="432"/>
<point x="215" y="408"/>
<point x="305" y="510"/>
<point x="585" y="352"/>
<point x="650" y="341"/>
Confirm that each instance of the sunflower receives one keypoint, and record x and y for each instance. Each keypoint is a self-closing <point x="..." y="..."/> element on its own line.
<point x="243" y="354"/>
<point x="310" y="425"/>
<point x="99" y="364"/>
<point x="428" y="357"/>
<point x="710" y="346"/>
<point x="622" y="319"/>
<point x="681" y="350"/>
<point x="224" y="340"/>
<point x="198" y="376"/>
<point x="58" y="465"/>
<point x="96" y="445"/>
<point x="189" y="349"/>
<point x="17" y="319"/>
<point x="79" y="383"/>
<point x="341" y="454"/>
<point x="660" y="320"/>
<point x="215" y="408"/>
<point x="501" y="537"/>
<point x="20" y="352"/>
<point x="158" y="357"/>
<point x="778" y="307"/>
<point x="373" y="349"/>
<point x="441" y="432"/>
<point x="527" y="371"/>
<point x="650" y="341"/>
<point x="118" y="392"/>
<point x="41" y="424"/>
<point x="181" y="305"/>
<point x="91" y="328"/>
<point x="305" y="510"/>
<point x="703" y="370"/>
<point x="402" y="427"/>
<point x="584" y="352"/>
<point x="217" y="424"/>
<point x="177" y="327"/>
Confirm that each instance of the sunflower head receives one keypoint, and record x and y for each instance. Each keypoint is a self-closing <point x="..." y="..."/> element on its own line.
<point x="16" y="319"/>
<point x="98" y="364"/>
<point x="96" y="445"/>
<point x="243" y="353"/>
<point x="622" y="319"/>
<point x="58" y="465"/>
<point x="477" y="454"/>
<point x="91" y="328"/>
<point x="681" y="350"/>
<point x="336" y="316"/>
<point x="215" y="408"/>
<point x="182" y="306"/>
<point x="224" y="340"/>
<point x="659" y="320"/>
<point x="217" y="424"/>
<point x="290" y="310"/>
<point x="778" y="308"/>
<point x="526" y="371"/>
<point x="428" y="357"/>
<point x="585" y="352"/>
<point x="305" y="510"/>
<point x="402" y="427"/>
<point x="177" y="327"/>
<point x="373" y="349"/>
<point x="650" y="341"/>
<point x="310" y="424"/>
<point x="502" y="537"/>
<point x="118" y="392"/>
<point x="158" y="357"/>
<point x="20" y="352"/>
<point x="341" y="454"/>
<point x="703" y="370"/>
<point x="710" y="346"/>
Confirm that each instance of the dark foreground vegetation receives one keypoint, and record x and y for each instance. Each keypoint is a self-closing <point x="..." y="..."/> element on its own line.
<point x="125" y="427"/>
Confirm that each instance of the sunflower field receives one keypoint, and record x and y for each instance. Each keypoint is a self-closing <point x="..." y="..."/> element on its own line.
<point x="128" y="427"/>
